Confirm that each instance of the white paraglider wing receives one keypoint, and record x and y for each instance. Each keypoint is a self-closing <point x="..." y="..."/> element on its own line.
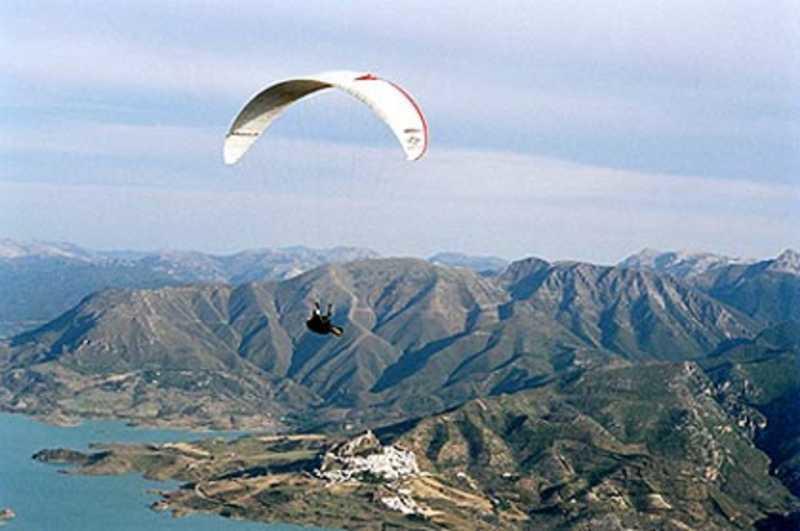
<point x="389" y="101"/>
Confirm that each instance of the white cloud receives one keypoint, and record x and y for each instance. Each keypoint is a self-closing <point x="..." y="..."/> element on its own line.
<point x="90" y="61"/>
<point x="467" y="174"/>
<point x="611" y="66"/>
<point x="111" y="139"/>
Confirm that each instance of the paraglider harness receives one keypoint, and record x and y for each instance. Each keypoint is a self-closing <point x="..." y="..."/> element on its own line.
<point x="320" y="323"/>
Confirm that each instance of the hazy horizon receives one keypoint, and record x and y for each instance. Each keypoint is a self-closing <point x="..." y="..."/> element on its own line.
<point x="118" y="249"/>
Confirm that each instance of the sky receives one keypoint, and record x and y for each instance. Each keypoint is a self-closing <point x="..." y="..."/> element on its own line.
<point x="583" y="130"/>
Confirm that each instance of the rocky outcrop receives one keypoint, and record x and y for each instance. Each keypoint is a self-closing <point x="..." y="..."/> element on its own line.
<point x="758" y="383"/>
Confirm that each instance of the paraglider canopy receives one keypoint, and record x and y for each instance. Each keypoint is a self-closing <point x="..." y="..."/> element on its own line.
<point x="393" y="104"/>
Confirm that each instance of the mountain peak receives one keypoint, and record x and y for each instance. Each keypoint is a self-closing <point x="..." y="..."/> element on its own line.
<point x="23" y="249"/>
<point x="648" y="253"/>
<point x="681" y="264"/>
<point x="526" y="267"/>
<point x="787" y="262"/>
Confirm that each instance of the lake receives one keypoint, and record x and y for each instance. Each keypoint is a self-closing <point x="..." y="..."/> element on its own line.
<point x="45" y="500"/>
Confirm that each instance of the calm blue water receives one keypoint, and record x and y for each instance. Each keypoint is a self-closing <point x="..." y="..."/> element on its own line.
<point x="46" y="500"/>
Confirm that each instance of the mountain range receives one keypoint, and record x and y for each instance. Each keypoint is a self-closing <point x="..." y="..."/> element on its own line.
<point x="680" y="264"/>
<point x="767" y="290"/>
<point x="567" y="394"/>
<point x="419" y="338"/>
<point x="40" y="280"/>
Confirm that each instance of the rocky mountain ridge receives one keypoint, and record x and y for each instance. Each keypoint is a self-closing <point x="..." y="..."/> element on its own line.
<point x="642" y="447"/>
<point x="680" y="264"/>
<point x="40" y="280"/>
<point x="766" y="290"/>
<point x="418" y="338"/>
